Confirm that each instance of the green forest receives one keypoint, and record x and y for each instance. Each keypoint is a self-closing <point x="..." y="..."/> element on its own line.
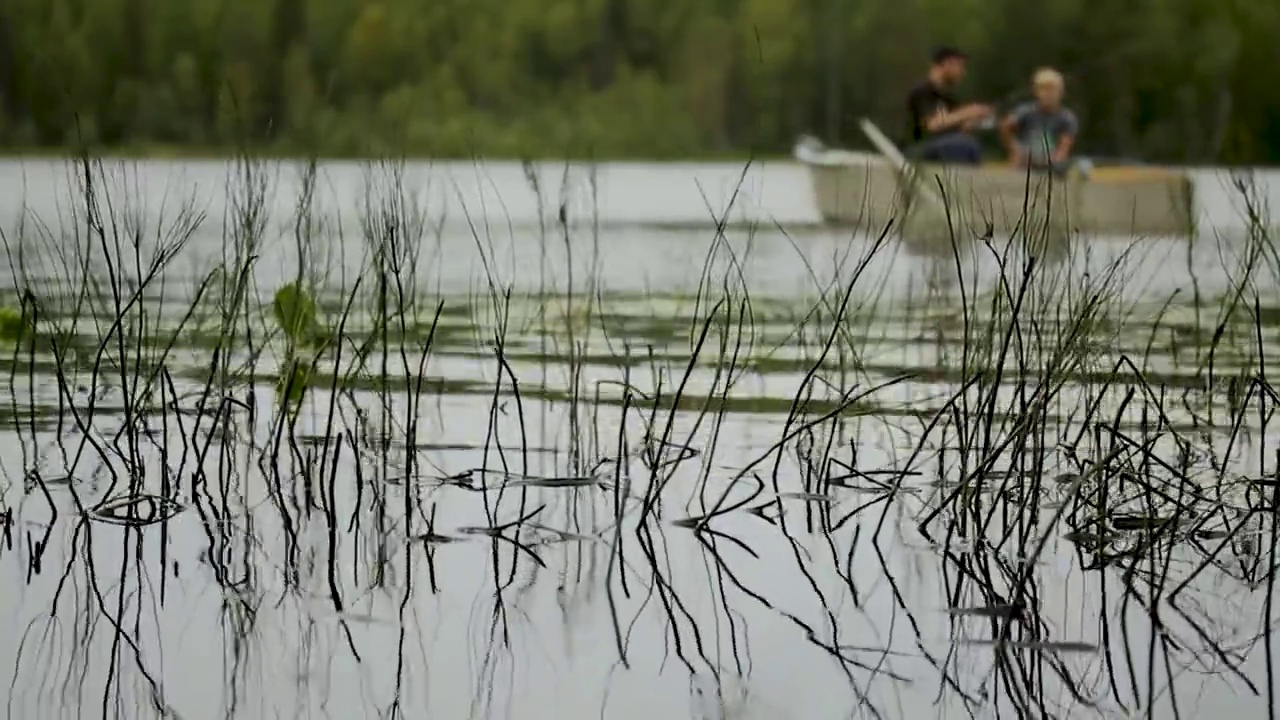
<point x="1158" y="80"/>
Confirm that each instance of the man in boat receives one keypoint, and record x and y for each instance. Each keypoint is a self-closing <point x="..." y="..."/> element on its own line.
<point x="1041" y="134"/>
<point x="941" y="128"/>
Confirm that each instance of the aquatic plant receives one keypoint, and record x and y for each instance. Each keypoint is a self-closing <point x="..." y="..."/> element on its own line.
<point x="15" y="325"/>
<point x="295" y="313"/>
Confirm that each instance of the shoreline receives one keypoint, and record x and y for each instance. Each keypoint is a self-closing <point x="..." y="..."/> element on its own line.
<point x="179" y="153"/>
<point x="163" y="153"/>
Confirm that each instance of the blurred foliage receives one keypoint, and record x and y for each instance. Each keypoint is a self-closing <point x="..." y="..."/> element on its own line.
<point x="1175" y="80"/>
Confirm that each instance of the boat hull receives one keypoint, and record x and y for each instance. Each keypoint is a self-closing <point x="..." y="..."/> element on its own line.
<point x="864" y="190"/>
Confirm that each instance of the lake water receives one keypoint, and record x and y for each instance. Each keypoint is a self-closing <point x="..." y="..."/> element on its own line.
<point x="622" y="465"/>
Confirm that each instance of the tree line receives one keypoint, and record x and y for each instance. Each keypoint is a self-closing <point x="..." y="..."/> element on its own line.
<point x="1159" y="80"/>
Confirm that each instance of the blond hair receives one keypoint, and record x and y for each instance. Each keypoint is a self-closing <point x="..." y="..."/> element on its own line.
<point x="1047" y="76"/>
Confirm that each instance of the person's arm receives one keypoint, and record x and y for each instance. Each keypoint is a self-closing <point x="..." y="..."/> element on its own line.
<point x="1009" y="134"/>
<point x="1066" y="137"/>
<point x="940" y="119"/>
<point x="937" y="118"/>
<point x="932" y="114"/>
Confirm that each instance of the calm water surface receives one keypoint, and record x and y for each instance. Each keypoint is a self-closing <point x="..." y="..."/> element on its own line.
<point x="496" y="515"/>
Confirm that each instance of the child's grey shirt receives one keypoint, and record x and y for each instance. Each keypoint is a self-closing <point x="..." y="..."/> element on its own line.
<point x="1038" y="131"/>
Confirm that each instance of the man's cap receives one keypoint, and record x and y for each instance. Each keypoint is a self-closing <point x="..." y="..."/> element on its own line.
<point x="948" y="52"/>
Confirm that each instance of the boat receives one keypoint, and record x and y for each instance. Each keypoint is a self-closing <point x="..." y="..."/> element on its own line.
<point x="878" y="190"/>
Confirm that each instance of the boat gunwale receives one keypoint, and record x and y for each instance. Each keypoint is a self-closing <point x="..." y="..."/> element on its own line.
<point x="1083" y="192"/>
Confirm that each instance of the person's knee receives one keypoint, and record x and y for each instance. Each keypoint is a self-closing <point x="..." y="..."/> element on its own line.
<point x="952" y="148"/>
<point x="966" y="147"/>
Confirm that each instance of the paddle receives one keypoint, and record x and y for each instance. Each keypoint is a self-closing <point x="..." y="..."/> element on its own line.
<point x="890" y="152"/>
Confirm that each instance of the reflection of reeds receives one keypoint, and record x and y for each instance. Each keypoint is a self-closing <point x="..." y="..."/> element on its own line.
<point x="303" y="404"/>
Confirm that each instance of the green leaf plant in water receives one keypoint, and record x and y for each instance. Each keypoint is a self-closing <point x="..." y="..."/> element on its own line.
<point x="295" y="311"/>
<point x="16" y="326"/>
<point x="294" y="382"/>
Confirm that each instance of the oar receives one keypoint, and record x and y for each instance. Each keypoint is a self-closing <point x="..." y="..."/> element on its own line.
<point x="890" y="152"/>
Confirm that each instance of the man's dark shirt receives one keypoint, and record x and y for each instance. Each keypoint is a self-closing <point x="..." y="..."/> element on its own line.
<point x="923" y="101"/>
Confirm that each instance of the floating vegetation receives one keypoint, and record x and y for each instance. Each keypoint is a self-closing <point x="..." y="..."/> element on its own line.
<point x="552" y="535"/>
<point x="807" y="497"/>
<point x="436" y="539"/>
<point x="1038" y="645"/>
<point x="1086" y="537"/>
<point x="1003" y="611"/>
<point x="556" y="482"/>
<point x="136" y="510"/>
<point x="1140" y="522"/>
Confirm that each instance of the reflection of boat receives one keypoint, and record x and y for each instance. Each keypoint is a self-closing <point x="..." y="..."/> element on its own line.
<point x="871" y="190"/>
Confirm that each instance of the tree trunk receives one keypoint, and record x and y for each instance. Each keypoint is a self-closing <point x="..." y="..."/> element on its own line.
<point x="833" y="41"/>
<point x="613" y="20"/>
<point x="287" y="24"/>
<point x="10" y="112"/>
